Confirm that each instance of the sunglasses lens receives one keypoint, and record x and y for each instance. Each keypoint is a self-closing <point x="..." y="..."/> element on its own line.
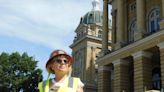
<point x="59" y="61"/>
<point x="65" y="61"/>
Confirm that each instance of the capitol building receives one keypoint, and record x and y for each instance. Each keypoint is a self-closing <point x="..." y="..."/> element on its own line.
<point x="122" y="55"/>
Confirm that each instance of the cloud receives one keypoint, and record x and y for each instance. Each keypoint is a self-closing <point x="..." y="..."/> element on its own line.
<point x="46" y="22"/>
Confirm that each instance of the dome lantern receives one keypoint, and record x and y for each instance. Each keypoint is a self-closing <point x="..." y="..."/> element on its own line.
<point x="96" y="5"/>
<point x="94" y="16"/>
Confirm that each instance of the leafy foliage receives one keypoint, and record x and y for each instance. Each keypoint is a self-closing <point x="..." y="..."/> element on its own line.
<point x="19" y="73"/>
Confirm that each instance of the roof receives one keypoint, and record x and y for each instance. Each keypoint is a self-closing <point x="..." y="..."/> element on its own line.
<point x="92" y="17"/>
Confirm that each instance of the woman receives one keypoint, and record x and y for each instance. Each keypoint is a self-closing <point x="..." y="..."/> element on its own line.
<point x="60" y="64"/>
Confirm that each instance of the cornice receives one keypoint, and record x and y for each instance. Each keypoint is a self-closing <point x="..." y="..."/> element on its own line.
<point x="87" y="37"/>
<point x="119" y="61"/>
<point x="161" y="45"/>
<point x="104" y="68"/>
<point x="142" y="54"/>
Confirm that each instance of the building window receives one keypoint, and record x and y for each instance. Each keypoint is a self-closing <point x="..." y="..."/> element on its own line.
<point x="153" y="20"/>
<point x="99" y="34"/>
<point x="133" y="7"/>
<point x="131" y="76"/>
<point x="78" y="71"/>
<point x="78" y="35"/>
<point x="133" y="29"/>
<point x="82" y="33"/>
<point x="90" y="18"/>
<point x="156" y="79"/>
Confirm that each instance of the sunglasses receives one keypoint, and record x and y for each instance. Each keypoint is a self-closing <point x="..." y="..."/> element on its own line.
<point x="59" y="61"/>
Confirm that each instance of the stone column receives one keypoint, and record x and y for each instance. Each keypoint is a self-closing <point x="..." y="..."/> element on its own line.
<point x="88" y="64"/>
<point x="104" y="79"/>
<point x="161" y="48"/>
<point x="162" y="9"/>
<point x="120" y="23"/>
<point x="113" y="27"/>
<point x="162" y="21"/>
<point x="92" y="65"/>
<point x="121" y="76"/>
<point x="141" y="24"/>
<point x="142" y="71"/>
<point x="105" y="27"/>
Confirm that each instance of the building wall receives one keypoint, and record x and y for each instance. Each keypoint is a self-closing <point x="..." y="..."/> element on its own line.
<point x="137" y="64"/>
<point x="85" y="50"/>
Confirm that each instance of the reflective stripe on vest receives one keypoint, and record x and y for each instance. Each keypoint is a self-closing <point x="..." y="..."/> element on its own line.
<point x="68" y="86"/>
<point x="70" y="82"/>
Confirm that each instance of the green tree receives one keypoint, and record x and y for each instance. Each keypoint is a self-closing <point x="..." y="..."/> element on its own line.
<point x="19" y="73"/>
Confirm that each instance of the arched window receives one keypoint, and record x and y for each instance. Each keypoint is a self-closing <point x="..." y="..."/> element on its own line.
<point x="132" y="30"/>
<point x="90" y="18"/>
<point x="156" y="79"/>
<point x="153" y="20"/>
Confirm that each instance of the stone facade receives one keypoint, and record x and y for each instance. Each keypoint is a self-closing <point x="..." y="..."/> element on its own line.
<point x="87" y="45"/>
<point x="136" y="61"/>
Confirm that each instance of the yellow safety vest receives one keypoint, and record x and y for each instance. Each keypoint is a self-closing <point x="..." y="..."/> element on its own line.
<point x="70" y="85"/>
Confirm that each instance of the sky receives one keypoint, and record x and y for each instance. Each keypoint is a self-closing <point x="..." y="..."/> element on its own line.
<point x="40" y="26"/>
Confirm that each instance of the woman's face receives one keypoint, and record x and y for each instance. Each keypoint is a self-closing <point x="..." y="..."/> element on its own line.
<point x="60" y="64"/>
